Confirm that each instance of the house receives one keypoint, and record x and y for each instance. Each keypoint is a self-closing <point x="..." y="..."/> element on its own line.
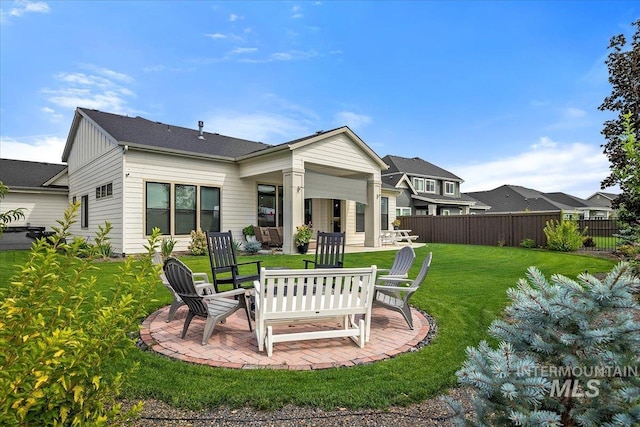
<point x="424" y="188"/>
<point x="515" y="198"/>
<point x="140" y="174"/>
<point x="602" y="201"/>
<point x="40" y="189"/>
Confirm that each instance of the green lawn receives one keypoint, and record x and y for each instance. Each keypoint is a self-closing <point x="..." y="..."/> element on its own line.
<point x="464" y="292"/>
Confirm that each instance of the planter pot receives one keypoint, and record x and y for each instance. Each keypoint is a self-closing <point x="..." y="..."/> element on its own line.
<point x="251" y="238"/>
<point x="303" y="249"/>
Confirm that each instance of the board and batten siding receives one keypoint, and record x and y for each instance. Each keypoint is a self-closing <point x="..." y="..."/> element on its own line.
<point x="105" y="169"/>
<point x="238" y="197"/>
<point x="41" y="209"/>
<point x="89" y="144"/>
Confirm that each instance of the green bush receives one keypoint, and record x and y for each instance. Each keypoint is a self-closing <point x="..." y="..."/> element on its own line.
<point x="588" y="242"/>
<point x="252" y="247"/>
<point x="563" y="236"/>
<point x="198" y="244"/>
<point x="528" y="243"/>
<point x="59" y="333"/>
<point x="166" y="247"/>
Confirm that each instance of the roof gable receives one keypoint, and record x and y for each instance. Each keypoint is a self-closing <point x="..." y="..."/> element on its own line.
<point x="418" y="166"/>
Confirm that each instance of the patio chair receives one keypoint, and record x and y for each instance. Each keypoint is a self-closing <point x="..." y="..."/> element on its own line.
<point x="201" y="278"/>
<point x="215" y="307"/>
<point x="394" y="294"/>
<point x="225" y="268"/>
<point x="329" y="251"/>
<point x="401" y="263"/>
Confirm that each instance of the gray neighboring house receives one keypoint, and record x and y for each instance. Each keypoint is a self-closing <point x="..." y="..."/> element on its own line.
<point x="602" y="201"/>
<point x="425" y="189"/>
<point x="41" y="189"/>
<point x="515" y="198"/>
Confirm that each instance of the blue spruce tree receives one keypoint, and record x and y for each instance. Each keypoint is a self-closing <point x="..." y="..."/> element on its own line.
<point x="568" y="355"/>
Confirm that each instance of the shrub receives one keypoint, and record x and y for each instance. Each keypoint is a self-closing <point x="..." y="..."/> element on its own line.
<point x="528" y="243"/>
<point x="249" y="230"/>
<point x="563" y="235"/>
<point x="60" y="335"/>
<point x="553" y="341"/>
<point x="252" y="247"/>
<point x="198" y="244"/>
<point x="166" y="247"/>
<point x="588" y="242"/>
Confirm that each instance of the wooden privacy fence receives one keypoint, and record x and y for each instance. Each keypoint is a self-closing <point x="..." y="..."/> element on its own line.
<point x="491" y="230"/>
<point x="499" y="229"/>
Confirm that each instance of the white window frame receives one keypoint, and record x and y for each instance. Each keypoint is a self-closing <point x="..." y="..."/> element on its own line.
<point x="418" y="184"/>
<point x="401" y="211"/>
<point x="445" y="212"/>
<point x="453" y="188"/>
<point x="430" y="186"/>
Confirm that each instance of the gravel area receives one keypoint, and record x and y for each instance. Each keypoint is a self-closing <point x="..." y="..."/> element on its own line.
<point x="432" y="412"/>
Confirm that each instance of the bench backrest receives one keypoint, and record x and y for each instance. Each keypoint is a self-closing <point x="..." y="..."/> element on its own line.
<point x="316" y="292"/>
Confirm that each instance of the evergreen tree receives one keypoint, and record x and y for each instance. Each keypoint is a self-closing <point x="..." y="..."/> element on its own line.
<point x="569" y="355"/>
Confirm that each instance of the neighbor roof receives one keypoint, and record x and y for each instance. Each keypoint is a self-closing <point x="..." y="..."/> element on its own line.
<point x="417" y="166"/>
<point x="140" y="132"/>
<point x="514" y="198"/>
<point x="26" y="174"/>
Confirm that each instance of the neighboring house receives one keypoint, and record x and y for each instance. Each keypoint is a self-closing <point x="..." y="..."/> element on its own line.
<point x="140" y="174"/>
<point x="602" y="201"/>
<point x="514" y="198"/>
<point x="41" y="189"/>
<point x="425" y="189"/>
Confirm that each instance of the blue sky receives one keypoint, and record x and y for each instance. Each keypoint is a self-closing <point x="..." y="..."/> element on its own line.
<point x="495" y="92"/>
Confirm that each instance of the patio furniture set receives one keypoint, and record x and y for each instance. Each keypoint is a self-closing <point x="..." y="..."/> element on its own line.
<point x="275" y="296"/>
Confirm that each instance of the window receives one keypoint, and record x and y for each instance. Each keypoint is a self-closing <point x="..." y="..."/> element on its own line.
<point x="430" y="186"/>
<point x="308" y="209"/>
<point x="210" y="209"/>
<point x="104" y="191"/>
<point x="185" y="208"/>
<point x="445" y="212"/>
<point x="359" y="217"/>
<point x="177" y="209"/>
<point x="403" y="211"/>
<point x="266" y="205"/>
<point x="84" y="211"/>
<point x="418" y="184"/>
<point x="449" y="188"/>
<point x="158" y="204"/>
<point x="384" y="213"/>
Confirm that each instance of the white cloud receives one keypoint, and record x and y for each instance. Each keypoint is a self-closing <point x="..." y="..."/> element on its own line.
<point x="233" y="17"/>
<point x="103" y="90"/>
<point x="242" y="50"/>
<point x="351" y="119"/>
<point x="23" y="6"/>
<point x="296" y="12"/>
<point x="52" y="114"/>
<point x="41" y="149"/>
<point x="216" y="36"/>
<point x="264" y="127"/>
<point x="574" y="168"/>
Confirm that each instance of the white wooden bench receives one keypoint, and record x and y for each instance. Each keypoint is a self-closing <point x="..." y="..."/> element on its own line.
<point x="317" y="295"/>
<point x="395" y="236"/>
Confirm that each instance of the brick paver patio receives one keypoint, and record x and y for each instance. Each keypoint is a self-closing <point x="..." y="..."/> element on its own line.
<point x="232" y="345"/>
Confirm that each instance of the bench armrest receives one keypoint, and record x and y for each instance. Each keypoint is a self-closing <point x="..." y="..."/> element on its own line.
<point x="226" y="294"/>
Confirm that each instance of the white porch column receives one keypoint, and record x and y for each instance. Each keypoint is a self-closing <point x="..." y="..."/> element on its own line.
<point x="372" y="212"/>
<point x="293" y="206"/>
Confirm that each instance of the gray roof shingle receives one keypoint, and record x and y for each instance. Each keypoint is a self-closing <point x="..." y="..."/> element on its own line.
<point x="143" y="132"/>
<point x="514" y="198"/>
<point x="417" y="166"/>
<point x="26" y="174"/>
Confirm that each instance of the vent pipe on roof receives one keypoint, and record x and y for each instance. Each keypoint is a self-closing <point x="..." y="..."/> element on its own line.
<point x="200" y="126"/>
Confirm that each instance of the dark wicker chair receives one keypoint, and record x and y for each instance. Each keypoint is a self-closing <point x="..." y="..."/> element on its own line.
<point x="215" y="307"/>
<point x="225" y="268"/>
<point x="329" y="251"/>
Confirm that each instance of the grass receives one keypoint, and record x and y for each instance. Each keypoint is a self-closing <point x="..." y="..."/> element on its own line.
<point x="464" y="292"/>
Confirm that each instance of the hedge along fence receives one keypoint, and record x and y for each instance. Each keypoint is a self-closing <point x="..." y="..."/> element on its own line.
<point x="499" y="229"/>
<point x="490" y="229"/>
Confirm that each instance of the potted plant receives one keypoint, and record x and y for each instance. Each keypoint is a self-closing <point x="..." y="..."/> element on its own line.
<point x="302" y="238"/>
<point x="249" y="233"/>
<point x="396" y="224"/>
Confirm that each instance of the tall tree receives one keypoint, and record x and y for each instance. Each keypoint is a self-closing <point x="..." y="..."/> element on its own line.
<point x="624" y="76"/>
